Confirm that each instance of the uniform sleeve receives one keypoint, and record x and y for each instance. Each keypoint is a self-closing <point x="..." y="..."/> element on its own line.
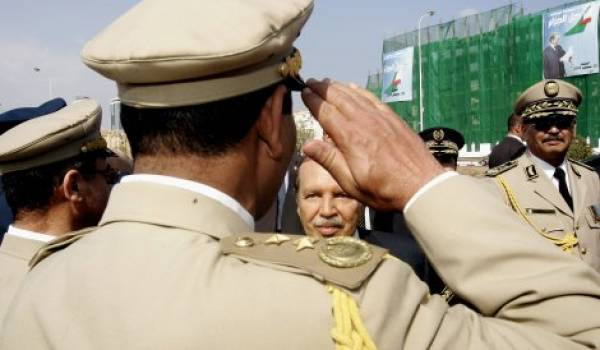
<point x="529" y="294"/>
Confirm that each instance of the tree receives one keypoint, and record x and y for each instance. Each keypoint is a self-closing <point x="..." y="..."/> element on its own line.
<point x="579" y="149"/>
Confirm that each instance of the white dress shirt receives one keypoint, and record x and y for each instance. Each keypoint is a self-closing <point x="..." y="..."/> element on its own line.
<point x="31" y="235"/>
<point x="549" y="170"/>
<point x="196" y="187"/>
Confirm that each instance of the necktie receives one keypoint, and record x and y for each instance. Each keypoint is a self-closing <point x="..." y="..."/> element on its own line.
<point x="559" y="174"/>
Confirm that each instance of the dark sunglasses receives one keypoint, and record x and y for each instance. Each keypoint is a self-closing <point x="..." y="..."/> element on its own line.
<point x="546" y="123"/>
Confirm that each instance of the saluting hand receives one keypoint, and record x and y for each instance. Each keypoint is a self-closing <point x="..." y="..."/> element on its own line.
<point x="374" y="156"/>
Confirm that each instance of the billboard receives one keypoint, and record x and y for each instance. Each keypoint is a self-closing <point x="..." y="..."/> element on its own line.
<point x="570" y="45"/>
<point x="397" y="75"/>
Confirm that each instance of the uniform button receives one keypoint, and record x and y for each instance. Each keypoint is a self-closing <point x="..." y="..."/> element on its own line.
<point x="244" y="242"/>
<point x="577" y="227"/>
<point x="583" y="251"/>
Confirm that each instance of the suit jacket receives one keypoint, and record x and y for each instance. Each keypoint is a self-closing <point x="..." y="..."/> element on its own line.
<point x="153" y="276"/>
<point x="508" y="149"/>
<point x="401" y="244"/>
<point x="15" y="253"/>
<point x="547" y="209"/>
<point x="554" y="68"/>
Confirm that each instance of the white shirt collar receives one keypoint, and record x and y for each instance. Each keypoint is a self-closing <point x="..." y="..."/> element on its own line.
<point x="549" y="169"/>
<point x="196" y="187"/>
<point x="31" y="235"/>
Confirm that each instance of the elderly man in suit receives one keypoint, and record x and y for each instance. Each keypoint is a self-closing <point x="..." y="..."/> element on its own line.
<point x="173" y="265"/>
<point x="326" y="210"/>
<point x="556" y="196"/>
<point x="512" y="146"/>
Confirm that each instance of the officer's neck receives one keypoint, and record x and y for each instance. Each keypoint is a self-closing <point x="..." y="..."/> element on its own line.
<point x="55" y="220"/>
<point x="227" y="173"/>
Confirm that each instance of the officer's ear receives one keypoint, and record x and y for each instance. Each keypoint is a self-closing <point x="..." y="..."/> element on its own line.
<point x="271" y="124"/>
<point x="71" y="186"/>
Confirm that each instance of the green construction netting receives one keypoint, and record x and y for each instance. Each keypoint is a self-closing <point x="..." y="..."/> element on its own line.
<point x="473" y="70"/>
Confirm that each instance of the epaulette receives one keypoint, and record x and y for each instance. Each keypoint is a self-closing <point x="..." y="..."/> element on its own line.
<point x="57" y="244"/>
<point x="581" y="164"/>
<point x="501" y="168"/>
<point x="344" y="261"/>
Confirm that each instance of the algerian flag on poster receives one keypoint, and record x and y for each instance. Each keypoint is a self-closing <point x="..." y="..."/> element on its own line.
<point x="397" y="75"/>
<point x="571" y="41"/>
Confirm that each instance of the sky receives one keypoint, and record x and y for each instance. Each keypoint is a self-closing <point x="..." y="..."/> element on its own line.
<point x="40" y="42"/>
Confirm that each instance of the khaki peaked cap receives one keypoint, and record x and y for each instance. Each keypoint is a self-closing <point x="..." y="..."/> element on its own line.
<point x="548" y="97"/>
<point x="177" y="53"/>
<point x="70" y="131"/>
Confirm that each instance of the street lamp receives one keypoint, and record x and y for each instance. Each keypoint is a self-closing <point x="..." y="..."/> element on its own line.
<point x="37" y="70"/>
<point x="421" y="109"/>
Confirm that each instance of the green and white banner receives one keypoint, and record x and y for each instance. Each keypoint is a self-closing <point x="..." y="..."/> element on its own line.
<point x="571" y="41"/>
<point x="397" y="75"/>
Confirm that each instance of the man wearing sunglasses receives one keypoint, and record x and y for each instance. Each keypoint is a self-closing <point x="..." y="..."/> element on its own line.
<point x="556" y="196"/>
<point x="56" y="178"/>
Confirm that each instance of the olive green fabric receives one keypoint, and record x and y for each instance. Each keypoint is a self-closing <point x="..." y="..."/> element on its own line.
<point x="473" y="70"/>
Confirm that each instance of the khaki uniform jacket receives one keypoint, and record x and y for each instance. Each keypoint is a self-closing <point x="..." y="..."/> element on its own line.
<point x="15" y="253"/>
<point x="153" y="277"/>
<point x="548" y="211"/>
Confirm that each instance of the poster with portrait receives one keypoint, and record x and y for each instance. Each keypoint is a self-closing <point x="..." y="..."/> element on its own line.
<point x="570" y="41"/>
<point x="397" y="75"/>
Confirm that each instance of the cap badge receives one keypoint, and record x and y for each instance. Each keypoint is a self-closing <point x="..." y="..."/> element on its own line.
<point x="551" y="88"/>
<point x="438" y="135"/>
<point x="345" y="252"/>
<point x="94" y="145"/>
<point x="292" y="65"/>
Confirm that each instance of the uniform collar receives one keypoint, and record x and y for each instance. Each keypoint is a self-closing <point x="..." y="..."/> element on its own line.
<point x="197" y="187"/>
<point x="176" y="203"/>
<point x="26" y="234"/>
<point x="547" y="167"/>
<point x="18" y="246"/>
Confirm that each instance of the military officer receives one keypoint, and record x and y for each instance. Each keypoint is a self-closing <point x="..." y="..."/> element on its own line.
<point x="556" y="196"/>
<point x="444" y="144"/>
<point x="53" y="171"/>
<point x="11" y="119"/>
<point x="207" y="112"/>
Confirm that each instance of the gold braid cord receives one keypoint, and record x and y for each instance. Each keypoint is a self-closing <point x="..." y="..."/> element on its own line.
<point x="349" y="332"/>
<point x="567" y="243"/>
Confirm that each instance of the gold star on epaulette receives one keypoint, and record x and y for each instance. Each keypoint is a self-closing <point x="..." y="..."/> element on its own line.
<point x="277" y="239"/>
<point x="305" y="242"/>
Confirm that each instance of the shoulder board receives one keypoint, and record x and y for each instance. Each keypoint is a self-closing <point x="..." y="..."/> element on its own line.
<point x="57" y="244"/>
<point x="581" y="164"/>
<point x="501" y="168"/>
<point x="344" y="261"/>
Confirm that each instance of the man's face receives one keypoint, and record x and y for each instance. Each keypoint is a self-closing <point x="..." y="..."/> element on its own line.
<point x="324" y="209"/>
<point x="549" y="137"/>
<point x="554" y="41"/>
<point x="96" y="190"/>
<point x="447" y="161"/>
